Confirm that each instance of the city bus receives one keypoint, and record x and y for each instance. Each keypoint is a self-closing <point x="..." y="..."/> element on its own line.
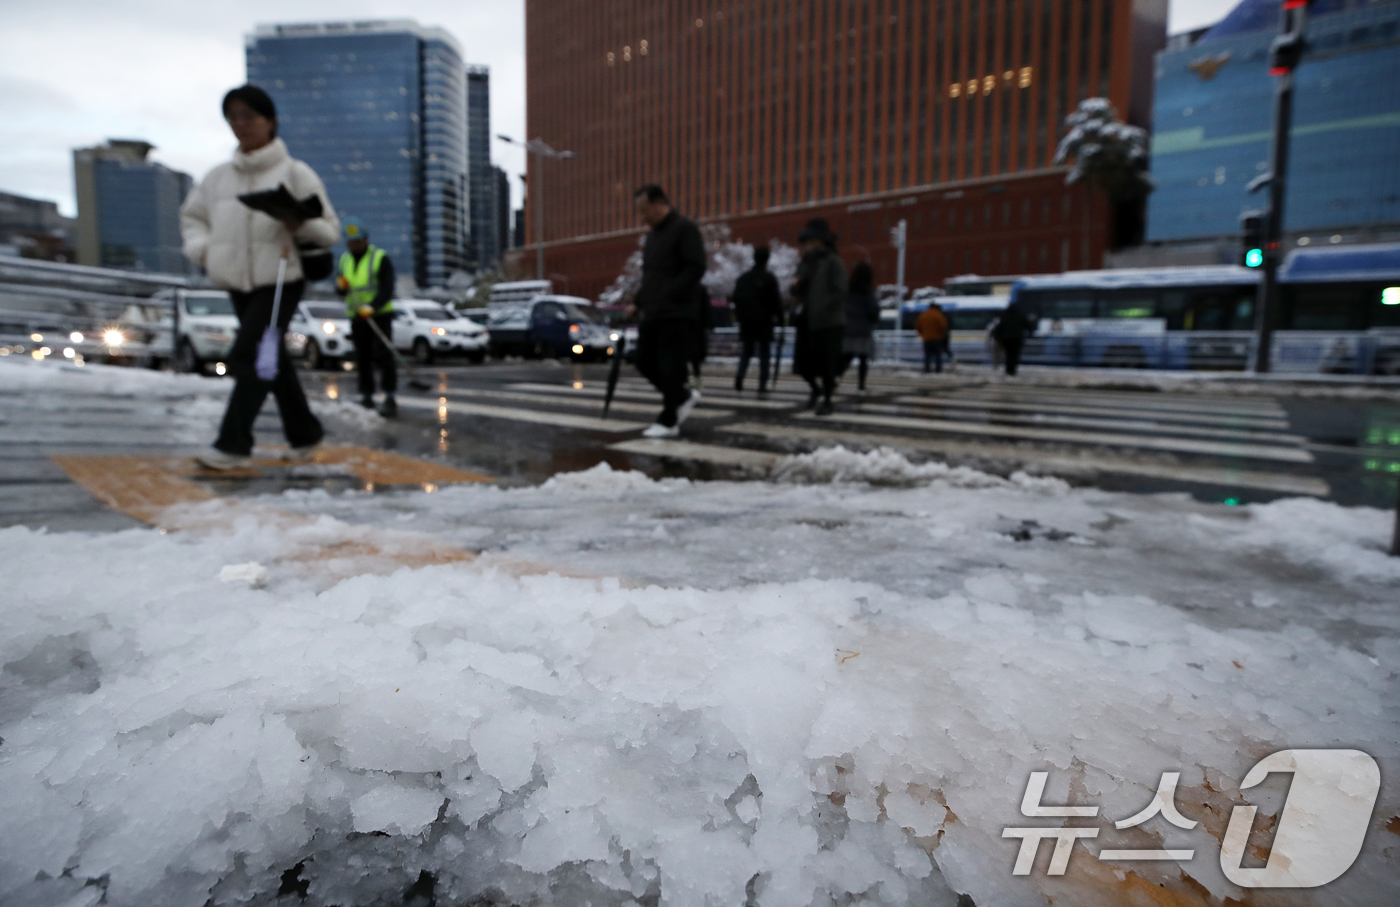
<point x="1339" y="312"/>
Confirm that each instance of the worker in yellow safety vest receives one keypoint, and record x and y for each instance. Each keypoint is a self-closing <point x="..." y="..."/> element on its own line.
<point x="366" y="280"/>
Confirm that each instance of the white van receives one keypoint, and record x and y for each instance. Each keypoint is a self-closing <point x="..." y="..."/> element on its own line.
<point x="519" y="291"/>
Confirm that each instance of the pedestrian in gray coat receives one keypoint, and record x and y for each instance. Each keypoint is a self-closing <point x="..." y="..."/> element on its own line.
<point x="821" y="318"/>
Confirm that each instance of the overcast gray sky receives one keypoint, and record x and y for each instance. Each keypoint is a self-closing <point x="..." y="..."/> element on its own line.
<point x="76" y="72"/>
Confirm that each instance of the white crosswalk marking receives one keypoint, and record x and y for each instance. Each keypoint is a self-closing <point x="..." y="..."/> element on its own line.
<point x="1028" y="415"/>
<point x="1084" y="462"/>
<point x="707" y="399"/>
<point x="1180" y="445"/>
<point x="581" y="400"/>
<point x="950" y="400"/>
<point x="1128" y="401"/>
<point x="539" y="417"/>
<point x="707" y="453"/>
<point x="1219" y="441"/>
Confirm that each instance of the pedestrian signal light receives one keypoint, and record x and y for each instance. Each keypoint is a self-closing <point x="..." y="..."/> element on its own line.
<point x="1252" y="238"/>
<point x="1390" y="296"/>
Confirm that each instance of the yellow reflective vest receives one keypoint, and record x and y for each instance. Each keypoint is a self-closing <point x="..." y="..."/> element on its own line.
<point x="363" y="278"/>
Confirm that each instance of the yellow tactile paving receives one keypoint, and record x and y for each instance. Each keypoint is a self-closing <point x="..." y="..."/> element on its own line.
<point x="140" y="487"/>
<point x="157" y="490"/>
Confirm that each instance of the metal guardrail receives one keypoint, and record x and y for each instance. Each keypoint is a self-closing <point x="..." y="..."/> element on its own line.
<point x="1294" y="352"/>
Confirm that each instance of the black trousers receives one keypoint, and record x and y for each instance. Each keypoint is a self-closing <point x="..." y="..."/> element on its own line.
<point x="862" y="370"/>
<point x="664" y="353"/>
<point x="933" y="351"/>
<point x="371" y="351"/>
<point x="816" y="355"/>
<point x="249" y="391"/>
<point x="1013" y="355"/>
<point x="746" y="351"/>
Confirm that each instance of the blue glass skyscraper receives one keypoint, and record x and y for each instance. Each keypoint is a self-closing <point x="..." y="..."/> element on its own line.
<point x="129" y="208"/>
<point x="378" y="110"/>
<point x="1213" y="122"/>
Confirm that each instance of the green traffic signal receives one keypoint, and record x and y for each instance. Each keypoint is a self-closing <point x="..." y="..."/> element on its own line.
<point x="1253" y="258"/>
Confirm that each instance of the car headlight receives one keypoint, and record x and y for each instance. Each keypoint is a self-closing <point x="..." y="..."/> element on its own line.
<point x="440" y="332"/>
<point x="113" y="337"/>
<point x="614" y="336"/>
<point x="76" y="337"/>
<point x="328" y="327"/>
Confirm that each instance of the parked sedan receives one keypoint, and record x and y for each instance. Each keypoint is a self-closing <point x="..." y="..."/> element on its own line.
<point x="429" y="330"/>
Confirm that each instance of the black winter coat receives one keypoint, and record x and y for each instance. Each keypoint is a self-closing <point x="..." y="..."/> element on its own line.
<point x="862" y="314"/>
<point x="758" y="305"/>
<point x="673" y="262"/>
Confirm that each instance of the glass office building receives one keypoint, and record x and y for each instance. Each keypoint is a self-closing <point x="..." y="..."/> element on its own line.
<point x="129" y="208"/>
<point x="485" y="241"/>
<point x="1213" y="116"/>
<point x="377" y="109"/>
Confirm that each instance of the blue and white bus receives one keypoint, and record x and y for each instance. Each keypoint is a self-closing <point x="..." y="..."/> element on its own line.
<point x="1339" y="312"/>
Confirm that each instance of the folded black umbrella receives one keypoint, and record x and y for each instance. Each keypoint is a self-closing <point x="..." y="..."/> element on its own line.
<point x="281" y="204"/>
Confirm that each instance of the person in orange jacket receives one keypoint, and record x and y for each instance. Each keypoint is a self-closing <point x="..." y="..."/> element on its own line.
<point x="933" y="331"/>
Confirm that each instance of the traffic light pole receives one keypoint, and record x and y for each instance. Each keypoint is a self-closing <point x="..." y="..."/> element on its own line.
<point x="1287" y="50"/>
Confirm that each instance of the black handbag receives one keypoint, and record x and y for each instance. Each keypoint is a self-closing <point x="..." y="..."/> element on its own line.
<point x="316" y="263"/>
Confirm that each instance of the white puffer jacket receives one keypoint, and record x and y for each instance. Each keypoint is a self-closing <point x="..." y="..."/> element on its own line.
<point x="238" y="247"/>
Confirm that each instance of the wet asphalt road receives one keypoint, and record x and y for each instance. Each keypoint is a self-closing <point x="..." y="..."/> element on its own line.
<point x="504" y="420"/>
<point x="1353" y="445"/>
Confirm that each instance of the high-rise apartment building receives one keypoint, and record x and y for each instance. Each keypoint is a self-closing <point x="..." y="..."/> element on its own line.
<point x="128" y="208"/>
<point x="942" y="113"/>
<point x="1214" y="124"/>
<point x="378" y="109"/>
<point x="485" y="230"/>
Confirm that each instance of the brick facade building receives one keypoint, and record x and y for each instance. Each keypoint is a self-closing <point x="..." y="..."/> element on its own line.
<point x="761" y="114"/>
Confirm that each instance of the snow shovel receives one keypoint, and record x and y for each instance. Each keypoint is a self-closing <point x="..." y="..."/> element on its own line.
<point x="270" y="346"/>
<point x="618" y="349"/>
<point x="414" y="381"/>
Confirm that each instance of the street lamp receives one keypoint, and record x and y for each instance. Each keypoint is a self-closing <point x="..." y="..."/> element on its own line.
<point x="540" y="150"/>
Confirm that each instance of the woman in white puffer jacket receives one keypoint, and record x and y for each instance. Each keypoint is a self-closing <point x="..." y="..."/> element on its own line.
<point x="240" y="249"/>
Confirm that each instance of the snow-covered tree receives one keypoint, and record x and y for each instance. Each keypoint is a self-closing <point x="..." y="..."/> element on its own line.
<point x="624" y="289"/>
<point x="727" y="260"/>
<point x="1107" y="153"/>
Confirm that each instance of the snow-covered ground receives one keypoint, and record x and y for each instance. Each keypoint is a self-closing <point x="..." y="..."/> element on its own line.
<point x="827" y="685"/>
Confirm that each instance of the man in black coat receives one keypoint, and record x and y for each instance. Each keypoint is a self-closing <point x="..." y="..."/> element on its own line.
<point x="668" y="303"/>
<point x="758" y="306"/>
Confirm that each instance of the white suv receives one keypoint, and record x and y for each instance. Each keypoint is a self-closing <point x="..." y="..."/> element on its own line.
<point x="207" y="326"/>
<point x="429" y="329"/>
<point x="326" y="328"/>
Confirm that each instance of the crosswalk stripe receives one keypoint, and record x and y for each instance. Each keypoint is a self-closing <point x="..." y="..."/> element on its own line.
<point x="707" y="400"/>
<point x="564" y="400"/>
<point x="1153" y="424"/>
<point x="1032" y="406"/>
<point x="1139" y="401"/>
<point x="1206" y="475"/>
<point x="776" y="396"/>
<point x="1180" y="445"/>
<point x="539" y="417"/>
<point x="708" y="453"/>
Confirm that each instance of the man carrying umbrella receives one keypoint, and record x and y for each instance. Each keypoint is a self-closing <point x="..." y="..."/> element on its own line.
<point x="366" y="280"/>
<point x="673" y="263"/>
